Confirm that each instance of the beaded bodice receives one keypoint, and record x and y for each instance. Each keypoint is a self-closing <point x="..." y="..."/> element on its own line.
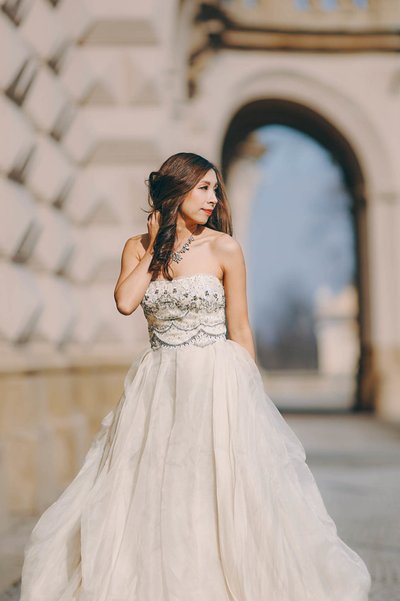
<point x="188" y="310"/>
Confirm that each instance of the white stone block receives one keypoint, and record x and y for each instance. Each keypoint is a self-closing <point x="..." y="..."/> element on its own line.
<point x="129" y="329"/>
<point x="76" y="74"/>
<point x="45" y="100"/>
<point x="17" y="136"/>
<point x="19" y="88"/>
<point x="16" y="10"/>
<point x="75" y="16"/>
<point x="13" y="51"/>
<point x="99" y="321"/>
<point x="88" y="322"/>
<point x="144" y="75"/>
<point x="125" y="136"/>
<point x="84" y="262"/>
<point x="124" y="76"/>
<point x="55" y="244"/>
<point x="108" y="241"/>
<point x="50" y="170"/>
<point x="43" y="29"/>
<point x="20" y="302"/>
<point x="84" y="198"/>
<point x="110" y="73"/>
<point x="124" y="193"/>
<point x="79" y="140"/>
<point x="123" y="22"/>
<point x="17" y="216"/>
<point x="97" y="253"/>
<point x="56" y="321"/>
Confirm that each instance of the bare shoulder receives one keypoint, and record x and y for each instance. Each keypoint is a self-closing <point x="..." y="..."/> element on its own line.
<point x="230" y="257"/>
<point x="226" y="245"/>
<point x="136" y="245"/>
<point x="229" y="254"/>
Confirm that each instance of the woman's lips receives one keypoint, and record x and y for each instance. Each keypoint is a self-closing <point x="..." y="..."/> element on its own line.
<point x="208" y="211"/>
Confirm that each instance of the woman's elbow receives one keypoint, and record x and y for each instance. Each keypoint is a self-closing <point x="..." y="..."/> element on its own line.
<point x="240" y="329"/>
<point x="124" y="310"/>
<point x="123" y="307"/>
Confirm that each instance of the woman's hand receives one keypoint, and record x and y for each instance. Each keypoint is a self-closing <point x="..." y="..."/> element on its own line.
<point x="135" y="261"/>
<point x="153" y="225"/>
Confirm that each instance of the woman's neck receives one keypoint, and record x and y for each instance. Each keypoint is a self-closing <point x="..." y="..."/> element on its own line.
<point x="183" y="230"/>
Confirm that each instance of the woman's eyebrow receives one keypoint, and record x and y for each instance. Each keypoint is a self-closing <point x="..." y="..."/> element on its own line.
<point x="204" y="181"/>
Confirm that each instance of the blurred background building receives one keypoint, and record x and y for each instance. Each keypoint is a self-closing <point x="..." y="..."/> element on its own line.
<point x="297" y="100"/>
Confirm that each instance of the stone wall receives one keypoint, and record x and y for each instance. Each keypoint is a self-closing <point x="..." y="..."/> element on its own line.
<point x="81" y="110"/>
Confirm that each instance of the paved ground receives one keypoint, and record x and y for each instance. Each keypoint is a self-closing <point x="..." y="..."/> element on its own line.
<point x="356" y="463"/>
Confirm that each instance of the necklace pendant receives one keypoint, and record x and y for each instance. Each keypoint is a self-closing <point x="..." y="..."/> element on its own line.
<point x="176" y="255"/>
<point x="176" y="258"/>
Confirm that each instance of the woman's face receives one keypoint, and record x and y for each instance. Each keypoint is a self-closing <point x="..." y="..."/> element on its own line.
<point x="201" y="200"/>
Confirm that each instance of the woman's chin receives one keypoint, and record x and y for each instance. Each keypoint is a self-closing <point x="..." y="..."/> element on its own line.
<point x="202" y="221"/>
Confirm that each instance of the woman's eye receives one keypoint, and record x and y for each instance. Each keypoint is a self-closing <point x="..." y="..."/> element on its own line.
<point x="206" y="188"/>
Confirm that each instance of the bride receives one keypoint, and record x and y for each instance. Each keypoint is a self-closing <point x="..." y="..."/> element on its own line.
<point x="194" y="488"/>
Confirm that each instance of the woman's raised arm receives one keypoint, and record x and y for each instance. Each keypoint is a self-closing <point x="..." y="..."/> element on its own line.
<point x="134" y="277"/>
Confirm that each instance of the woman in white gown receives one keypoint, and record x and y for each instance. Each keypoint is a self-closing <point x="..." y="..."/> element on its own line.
<point x="195" y="488"/>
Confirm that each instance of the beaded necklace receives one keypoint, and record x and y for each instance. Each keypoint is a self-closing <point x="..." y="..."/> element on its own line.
<point x="177" y="254"/>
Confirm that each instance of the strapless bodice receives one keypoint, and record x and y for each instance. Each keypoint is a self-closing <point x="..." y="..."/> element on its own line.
<point x="188" y="310"/>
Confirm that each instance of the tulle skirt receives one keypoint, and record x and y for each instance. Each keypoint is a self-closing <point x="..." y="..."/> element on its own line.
<point x="194" y="488"/>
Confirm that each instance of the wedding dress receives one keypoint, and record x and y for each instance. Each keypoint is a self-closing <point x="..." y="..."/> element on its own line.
<point x="194" y="488"/>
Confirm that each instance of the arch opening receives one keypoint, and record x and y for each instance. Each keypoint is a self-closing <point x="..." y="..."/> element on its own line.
<point x="239" y="137"/>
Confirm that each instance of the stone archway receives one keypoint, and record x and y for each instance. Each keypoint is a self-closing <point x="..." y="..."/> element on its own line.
<point x="281" y="111"/>
<point x="336" y="88"/>
<point x="326" y="102"/>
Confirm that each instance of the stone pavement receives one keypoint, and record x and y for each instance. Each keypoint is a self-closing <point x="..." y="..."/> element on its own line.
<point x="356" y="462"/>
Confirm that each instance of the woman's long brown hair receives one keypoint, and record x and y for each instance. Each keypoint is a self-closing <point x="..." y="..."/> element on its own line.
<point x="168" y="187"/>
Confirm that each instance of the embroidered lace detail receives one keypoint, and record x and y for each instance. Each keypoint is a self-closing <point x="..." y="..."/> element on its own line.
<point x="189" y="310"/>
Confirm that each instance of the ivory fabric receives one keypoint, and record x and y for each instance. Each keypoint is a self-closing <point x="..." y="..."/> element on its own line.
<point x="194" y="488"/>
